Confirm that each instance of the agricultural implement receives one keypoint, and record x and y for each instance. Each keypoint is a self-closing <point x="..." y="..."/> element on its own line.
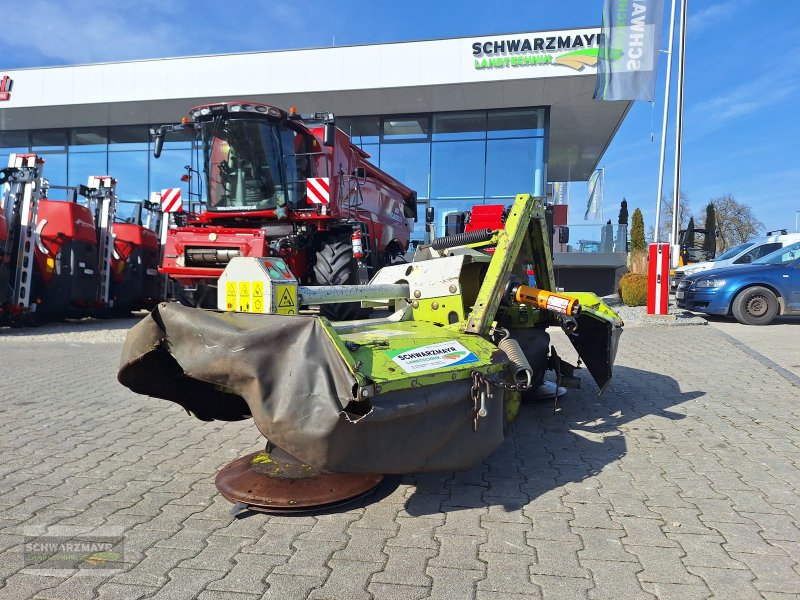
<point x="432" y="386"/>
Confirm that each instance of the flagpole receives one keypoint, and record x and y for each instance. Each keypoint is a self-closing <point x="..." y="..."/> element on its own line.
<point x="665" y="122"/>
<point x="678" y="135"/>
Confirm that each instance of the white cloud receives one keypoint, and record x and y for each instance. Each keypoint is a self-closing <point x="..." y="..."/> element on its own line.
<point x="81" y="31"/>
<point x="710" y="16"/>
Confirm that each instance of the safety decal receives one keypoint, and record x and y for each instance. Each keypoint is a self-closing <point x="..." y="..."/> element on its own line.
<point x="287" y="299"/>
<point x="433" y="356"/>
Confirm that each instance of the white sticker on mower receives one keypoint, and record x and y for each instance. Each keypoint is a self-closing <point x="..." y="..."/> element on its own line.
<point x="372" y="334"/>
<point x="432" y="356"/>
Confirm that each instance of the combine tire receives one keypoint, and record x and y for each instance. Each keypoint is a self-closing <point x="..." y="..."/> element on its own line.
<point x="335" y="266"/>
<point x="755" y="306"/>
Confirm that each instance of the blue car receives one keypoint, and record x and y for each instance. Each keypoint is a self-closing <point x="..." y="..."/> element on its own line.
<point x="754" y="294"/>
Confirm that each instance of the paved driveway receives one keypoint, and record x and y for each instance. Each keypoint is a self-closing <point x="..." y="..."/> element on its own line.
<point x="681" y="482"/>
<point x="779" y="341"/>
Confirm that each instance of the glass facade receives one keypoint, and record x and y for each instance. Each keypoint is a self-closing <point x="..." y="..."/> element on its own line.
<point x="457" y="159"/>
<point x="453" y="160"/>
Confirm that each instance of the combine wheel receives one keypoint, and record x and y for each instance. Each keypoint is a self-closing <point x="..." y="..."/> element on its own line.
<point x="755" y="306"/>
<point x="335" y="266"/>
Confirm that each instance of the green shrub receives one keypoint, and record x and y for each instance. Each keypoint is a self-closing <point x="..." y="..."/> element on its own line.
<point x="633" y="289"/>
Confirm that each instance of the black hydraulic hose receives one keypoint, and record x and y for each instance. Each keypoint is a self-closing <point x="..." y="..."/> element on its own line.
<point x="462" y="239"/>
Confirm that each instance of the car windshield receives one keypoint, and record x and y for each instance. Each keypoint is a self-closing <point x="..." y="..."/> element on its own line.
<point x="781" y="257"/>
<point x="731" y="252"/>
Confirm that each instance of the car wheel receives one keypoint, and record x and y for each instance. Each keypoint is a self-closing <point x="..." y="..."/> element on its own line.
<point x="755" y="306"/>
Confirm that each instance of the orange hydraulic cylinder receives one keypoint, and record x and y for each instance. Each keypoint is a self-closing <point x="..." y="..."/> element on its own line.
<point x="542" y="299"/>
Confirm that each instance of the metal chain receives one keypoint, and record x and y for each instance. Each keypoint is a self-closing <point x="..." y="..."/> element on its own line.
<point x="475" y="394"/>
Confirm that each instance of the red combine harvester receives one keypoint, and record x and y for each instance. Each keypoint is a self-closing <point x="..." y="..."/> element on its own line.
<point x="276" y="186"/>
<point x="135" y="282"/>
<point x="66" y="260"/>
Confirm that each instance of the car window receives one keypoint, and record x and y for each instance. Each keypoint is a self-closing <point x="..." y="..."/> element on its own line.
<point x="731" y="252"/>
<point x="757" y="252"/>
<point x="783" y="256"/>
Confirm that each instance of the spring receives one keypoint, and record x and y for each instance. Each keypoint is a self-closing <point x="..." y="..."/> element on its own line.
<point x="520" y="367"/>
<point x="462" y="239"/>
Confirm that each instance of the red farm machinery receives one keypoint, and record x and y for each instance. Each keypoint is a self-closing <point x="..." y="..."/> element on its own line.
<point x="284" y="185"/>
<point x="67" y="258"/>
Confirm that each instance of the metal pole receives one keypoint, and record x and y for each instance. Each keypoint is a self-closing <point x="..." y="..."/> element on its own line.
<point x="796" y="215"/>
<point x="665" y="121"/>
<point x="678" y="135"/>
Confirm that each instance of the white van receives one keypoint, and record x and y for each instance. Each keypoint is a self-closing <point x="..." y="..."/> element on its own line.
<point x="740" y="255"/>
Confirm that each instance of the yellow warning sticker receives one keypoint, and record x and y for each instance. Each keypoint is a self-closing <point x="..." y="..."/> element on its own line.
<point x="258" y="289"/>
<point x="258" y="305"/>
<point x="287" y="299"/>
<point x="230" y="295"/>
<point x="244" y="289"/>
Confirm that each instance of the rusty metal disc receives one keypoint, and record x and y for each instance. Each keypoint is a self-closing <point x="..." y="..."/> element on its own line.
<point x="275" y="481"/>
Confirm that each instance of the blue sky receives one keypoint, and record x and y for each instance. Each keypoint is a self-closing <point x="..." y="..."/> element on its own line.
<point x="741" y="129"/>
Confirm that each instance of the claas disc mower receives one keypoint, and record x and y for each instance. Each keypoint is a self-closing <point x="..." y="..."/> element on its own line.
<point x="431" y="386"/>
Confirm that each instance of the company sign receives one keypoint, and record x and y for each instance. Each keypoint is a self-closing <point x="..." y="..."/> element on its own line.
<point x="5" y="88"/>
<point x="568" y="49"/>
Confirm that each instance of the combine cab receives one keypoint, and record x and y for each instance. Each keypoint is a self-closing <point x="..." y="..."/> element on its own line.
<point x="277" y="187"/>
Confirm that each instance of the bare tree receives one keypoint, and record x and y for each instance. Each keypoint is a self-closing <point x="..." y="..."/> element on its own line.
<point x="735" y="222"/>
<point x="665" y="226"/>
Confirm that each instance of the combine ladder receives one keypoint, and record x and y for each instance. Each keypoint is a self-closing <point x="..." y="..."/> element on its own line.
<point x="23" y="178"/>
<point x="101" y="193"/>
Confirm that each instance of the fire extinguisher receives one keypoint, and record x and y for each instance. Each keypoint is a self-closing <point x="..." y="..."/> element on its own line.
<point x="358" y="245"/>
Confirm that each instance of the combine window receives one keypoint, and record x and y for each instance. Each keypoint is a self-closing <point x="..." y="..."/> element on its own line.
<point x="244" y="167"/>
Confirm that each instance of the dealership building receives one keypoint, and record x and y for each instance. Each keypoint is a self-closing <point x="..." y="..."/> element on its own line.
<point x="462" y="121"/>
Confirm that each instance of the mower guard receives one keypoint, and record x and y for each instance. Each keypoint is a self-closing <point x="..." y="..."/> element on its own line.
<point x="289" y="374"/>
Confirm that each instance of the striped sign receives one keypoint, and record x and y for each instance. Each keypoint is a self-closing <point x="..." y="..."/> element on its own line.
<point x="658" y="280"/>
<point x="171" y="200"/>
<point x="318" y="190"/>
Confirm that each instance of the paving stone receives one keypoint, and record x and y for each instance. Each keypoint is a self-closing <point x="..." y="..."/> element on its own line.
<point x="773" y="573"/>
<point x="217" y="595"/>
<point x="390" y="591"/>
<point x="152" y="571"/>
<point x="728" y="583"/>
<point x="662" y="565"/>
<point x="552" y="526"/>
<point x="348" y="579"/>
<point x="291" y="587"/>
<point x="457" y="552"/>
<point x="453" y="584"/>
<point x="415" y="533"/>
<point x="603" y="544"/>
<point x="217" y="555"/>
<point x="508" y="573"/>
<point x="704" y="551"/>
<point x="78" y="586"/>
<point x="185" y="583"/>
<point x="506" y="538"/>
<point x="310" y="559"/>
<point x="644" y="532"/>
<point x="615" y="580"/>
<point x="558" y="559"/>
<point x="592" y="516"/>
<point x="248" y="574"/>
<point x="775" y="526"/>
<point x="119" y="591"/>
<point x="405" y="567"/>
<point x="746" y="538"/>
<point x="365" y="545"/>
<point x="278" y="538"/>
<point x="465" y="521"/>
<point x="561" y="587"/>
<point x="675" y="591"/>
